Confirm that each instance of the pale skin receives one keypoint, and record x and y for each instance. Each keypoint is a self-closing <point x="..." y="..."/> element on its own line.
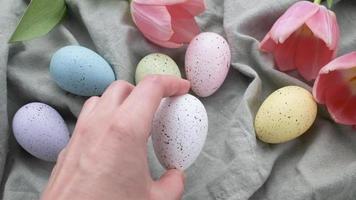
<point x="106" y="158"/>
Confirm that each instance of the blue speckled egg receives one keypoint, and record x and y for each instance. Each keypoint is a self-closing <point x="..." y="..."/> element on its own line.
<point x="81" y="71"/>
<point x="40" y="130"/>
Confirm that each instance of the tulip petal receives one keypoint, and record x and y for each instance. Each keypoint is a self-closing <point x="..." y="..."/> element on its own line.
<point x="267" y="44"/>
<point x="284" y="53"/>
<point x="159" y="2"/>
<point x="293" y="19"/>
<point x="341" y="63"/>
<point x="336" y="87"/>
<point x="323" y="83"/>
<point x="194" y="7"/>
<point x="184" y="25"/>
<point x="167" y="44"/>
<point x="184" y="30"/>
<point x="348" y="113"/>
<point x="311" y="54"/>
<point x="330" y="74"/>
<point x="341" y="104"/>
<point x="153" y="21"/>
<point x="336" y="95"/>
<point x="324" y="25"/>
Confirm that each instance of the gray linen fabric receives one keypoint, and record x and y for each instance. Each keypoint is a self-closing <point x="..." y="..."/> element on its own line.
<point x="234" y="164"/>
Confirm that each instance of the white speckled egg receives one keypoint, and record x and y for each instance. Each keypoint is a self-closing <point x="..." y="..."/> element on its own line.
<point x="156" y="63"/>
<point x="207" y="62"/>
<point x="286" y="114"/>
<point x="40" y="130"/>
<point x="179" y="131"/>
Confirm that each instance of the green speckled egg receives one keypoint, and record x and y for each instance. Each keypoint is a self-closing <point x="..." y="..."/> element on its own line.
<point x="156" y="63"/>
<point x="286" y="114"/>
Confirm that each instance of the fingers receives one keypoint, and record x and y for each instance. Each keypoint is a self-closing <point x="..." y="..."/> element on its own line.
<point x="57" y="167"/>
<point x="115" y="94"/>
<point x="170" y="186"/>
<point x="146" y="97"/>
<point x="89" y="106"/>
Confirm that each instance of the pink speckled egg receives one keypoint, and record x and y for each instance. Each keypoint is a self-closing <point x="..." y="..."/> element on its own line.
<point x="179" y="130"/>
<point x="40" y="130"/>
<point x="207" y="62"/>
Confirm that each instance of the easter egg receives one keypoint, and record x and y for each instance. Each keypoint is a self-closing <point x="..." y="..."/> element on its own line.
<point x="40" y="130"/>
<point x="286" y="114"/>
<point x="207" y="62"/>
<point x="156" y="63"/>
<point x="179" y="131"/>
<point x="81" y="71"/>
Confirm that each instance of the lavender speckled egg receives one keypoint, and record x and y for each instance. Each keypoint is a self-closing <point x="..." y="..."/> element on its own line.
<point x="207" y="62"/>
<point x="179" y="130"/>
<point x="81" y="71"/>
<point x="40" y="130"/>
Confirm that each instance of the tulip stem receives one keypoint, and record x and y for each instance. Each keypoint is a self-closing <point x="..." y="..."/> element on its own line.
<point x="317" y="1"/>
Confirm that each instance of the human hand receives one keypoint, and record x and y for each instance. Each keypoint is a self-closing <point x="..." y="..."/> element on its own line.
<point x="106" y="157"/>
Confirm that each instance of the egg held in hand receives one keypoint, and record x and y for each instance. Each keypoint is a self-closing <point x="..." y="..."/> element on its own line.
<point x="81" y="71"/>
<point x="40" y="130"/>
<point x="156" y="63"/>
<point x="286" y="114"/>
<point x="179" y="130"/>
<point x="207" y="62"/>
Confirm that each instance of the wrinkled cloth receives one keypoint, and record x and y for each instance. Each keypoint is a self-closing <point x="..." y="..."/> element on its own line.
<point x="233" y="165"/>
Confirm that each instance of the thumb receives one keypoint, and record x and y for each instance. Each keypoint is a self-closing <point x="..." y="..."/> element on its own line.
<point x="170" y="186"/>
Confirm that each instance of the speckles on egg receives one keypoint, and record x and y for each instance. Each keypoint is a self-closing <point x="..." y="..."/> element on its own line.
<point x="156" y="63"/>
<point x="179" y="131"/>
<point x="286" y="114"/>
<point x="40" y="130"/>
<point x="207" y="62"/>
<point x="81" y="71"/>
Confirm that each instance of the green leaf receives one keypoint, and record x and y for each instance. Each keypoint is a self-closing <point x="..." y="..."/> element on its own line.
<point x="330" y="3"/>
<point x="317" y="1"/>
<point x="40" y="17"/>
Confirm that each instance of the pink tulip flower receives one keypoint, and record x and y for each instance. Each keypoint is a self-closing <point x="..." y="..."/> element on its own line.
<point x="335" y="87"/>
<point x="305" y="37"/>
<point x="168" y="23"/>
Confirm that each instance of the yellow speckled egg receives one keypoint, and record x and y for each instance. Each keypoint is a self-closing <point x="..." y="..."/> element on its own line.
<point x="286" y="114"/>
